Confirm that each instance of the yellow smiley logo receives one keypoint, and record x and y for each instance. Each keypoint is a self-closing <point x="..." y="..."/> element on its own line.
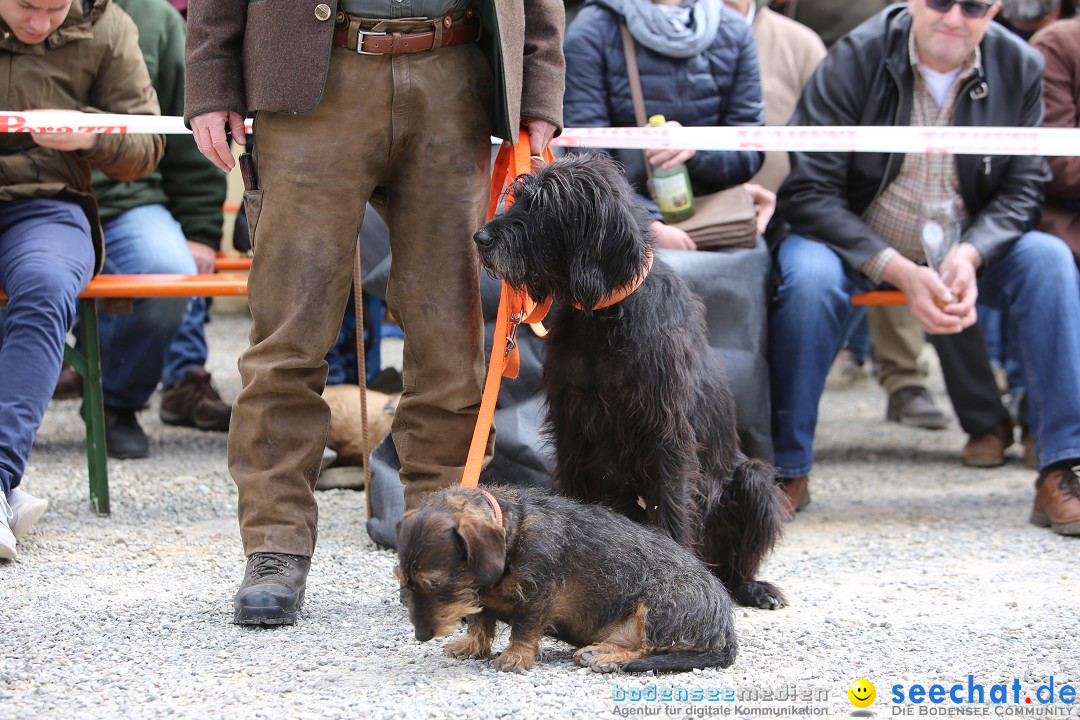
<point x="862" y="693"/>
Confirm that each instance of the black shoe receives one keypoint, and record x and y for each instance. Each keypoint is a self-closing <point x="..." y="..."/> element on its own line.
<point x="124" y="437"/>
<point x="272" y="591"/>
<point x="912" y="405"/>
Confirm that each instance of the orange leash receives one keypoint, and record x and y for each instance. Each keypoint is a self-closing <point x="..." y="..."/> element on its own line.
<point x="515" y="308"/>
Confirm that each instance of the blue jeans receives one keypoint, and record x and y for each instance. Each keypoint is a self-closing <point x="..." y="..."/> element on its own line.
<point x="142" y="240"/>
<point x="1036" y="283"/>
<point x="46" y="259"/>
<point x="188" y="348"/>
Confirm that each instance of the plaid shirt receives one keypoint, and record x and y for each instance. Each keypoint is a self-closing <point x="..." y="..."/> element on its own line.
<point x="923" y="178"/>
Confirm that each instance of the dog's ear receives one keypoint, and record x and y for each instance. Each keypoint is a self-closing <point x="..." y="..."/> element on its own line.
<point x="611" y="236"/>
<point x="485" y="547"/>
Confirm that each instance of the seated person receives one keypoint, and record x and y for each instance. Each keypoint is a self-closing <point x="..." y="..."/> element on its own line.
<point x="698" y="67"/>
<point x="167" y="222"/>
<point x="1060" y="45"/>
<point x="50" y="239"/>
<point x="851" y="213"/>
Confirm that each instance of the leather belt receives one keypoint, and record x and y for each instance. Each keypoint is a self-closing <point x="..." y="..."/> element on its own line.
<point x="368" y="42"/>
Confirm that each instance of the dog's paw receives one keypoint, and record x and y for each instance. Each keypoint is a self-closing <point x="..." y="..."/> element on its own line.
<point x="468" y="647"/>
<point x="516" y="659"/>
<point x="604" y="658"/>
<point x="759" y="594"/>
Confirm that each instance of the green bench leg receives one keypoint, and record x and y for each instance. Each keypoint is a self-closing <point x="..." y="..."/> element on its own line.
<point x="88" y="365"/>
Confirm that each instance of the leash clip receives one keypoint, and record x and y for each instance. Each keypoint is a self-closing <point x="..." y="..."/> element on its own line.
<point x="511" y="338"/>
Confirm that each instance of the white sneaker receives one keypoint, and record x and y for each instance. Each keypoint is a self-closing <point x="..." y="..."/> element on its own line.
<point x="7" y="538"/>
<point x="26" y="509"/>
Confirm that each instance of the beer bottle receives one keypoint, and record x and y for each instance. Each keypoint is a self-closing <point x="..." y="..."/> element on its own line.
<point x="671" y="186"/>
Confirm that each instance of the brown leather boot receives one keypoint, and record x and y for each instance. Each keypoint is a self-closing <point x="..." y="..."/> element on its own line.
<point x="988" y="450"/>
<point x="1057" y="501"/>
<point x="194" y="402"/>
<point x="795" y="497"/>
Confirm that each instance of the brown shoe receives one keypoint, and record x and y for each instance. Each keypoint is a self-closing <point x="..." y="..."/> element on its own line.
<point x="1057" y="501"/>
<point x="69" y="385"/>
<point x="795" y="497"/>
<point x="988" y="450"/>
<point x="194" y="402"/>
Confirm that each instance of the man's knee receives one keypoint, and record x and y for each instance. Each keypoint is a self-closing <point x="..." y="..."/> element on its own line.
<point x="811" y="274"/>
<point x="47" y="285"/>
<point x="1046" y="260"/>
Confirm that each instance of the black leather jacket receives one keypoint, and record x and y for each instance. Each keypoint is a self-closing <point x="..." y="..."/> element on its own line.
<point x="867" y="79"/>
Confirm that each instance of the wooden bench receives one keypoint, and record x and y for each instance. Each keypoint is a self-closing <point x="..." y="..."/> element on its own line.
<point x="116" y="293"/>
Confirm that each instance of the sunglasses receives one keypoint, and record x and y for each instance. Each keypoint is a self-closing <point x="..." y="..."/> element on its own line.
<point x="968" y="8"/>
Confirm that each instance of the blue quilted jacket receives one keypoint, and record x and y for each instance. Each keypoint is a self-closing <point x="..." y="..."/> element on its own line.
<point x="720" y="87"/>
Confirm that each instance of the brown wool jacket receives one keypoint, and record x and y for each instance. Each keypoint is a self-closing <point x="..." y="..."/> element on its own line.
<point x="1060" y="45"/>
<point x="273" y="55"/>
<point x="91" y="65"/>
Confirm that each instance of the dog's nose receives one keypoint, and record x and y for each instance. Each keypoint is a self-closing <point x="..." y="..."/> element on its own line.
<point x="482" y="237"/>
<point x="424" y="635"/>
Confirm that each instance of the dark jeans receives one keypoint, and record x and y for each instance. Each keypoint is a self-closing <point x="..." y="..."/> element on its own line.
<point x="46" y="259"/>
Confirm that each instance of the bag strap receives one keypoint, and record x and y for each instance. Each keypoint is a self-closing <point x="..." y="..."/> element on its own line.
<point x="635" y="88"/>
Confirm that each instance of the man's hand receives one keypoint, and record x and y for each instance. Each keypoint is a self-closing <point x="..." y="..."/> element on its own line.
<point x="939" y="309"/>
<point x="204" y="256"/>
<point x="209" y="132"/>
<point x="68" y="142"/>
<point x="65" y="142"/>
<point x="540" y="134"/>
<point x="668" y="159"/>
<point x="668" y="236"/>
<point x="764" y="205"/>
<point x="958" y="273"/>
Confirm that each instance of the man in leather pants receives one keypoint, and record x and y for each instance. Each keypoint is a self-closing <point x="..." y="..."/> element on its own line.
<point x="392" y="102"/>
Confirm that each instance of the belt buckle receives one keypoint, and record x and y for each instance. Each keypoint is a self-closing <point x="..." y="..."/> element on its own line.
<point x="360" y="41"/>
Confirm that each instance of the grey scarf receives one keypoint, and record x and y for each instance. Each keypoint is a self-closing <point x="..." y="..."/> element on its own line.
<point x="672" y="30"/>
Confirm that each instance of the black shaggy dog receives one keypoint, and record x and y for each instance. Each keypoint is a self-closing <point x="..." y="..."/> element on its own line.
<point x="639" y="407"/>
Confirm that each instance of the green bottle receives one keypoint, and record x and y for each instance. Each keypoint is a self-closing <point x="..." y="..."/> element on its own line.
<point x="671" y="187"/>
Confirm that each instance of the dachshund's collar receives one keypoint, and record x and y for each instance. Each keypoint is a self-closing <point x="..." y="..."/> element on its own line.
<point x="619" y="294"/>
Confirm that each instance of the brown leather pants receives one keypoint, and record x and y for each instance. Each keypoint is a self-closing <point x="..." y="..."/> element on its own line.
<point x="411" y="133"/>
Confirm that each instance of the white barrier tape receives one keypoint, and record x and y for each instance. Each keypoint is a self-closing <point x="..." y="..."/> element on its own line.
<point x="1059" y="142"/>
<point x="70" y="121"/>
<point x="957" y="140"/>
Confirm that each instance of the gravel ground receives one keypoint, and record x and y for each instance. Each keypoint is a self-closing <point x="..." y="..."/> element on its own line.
<point x="906" y="568"/>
